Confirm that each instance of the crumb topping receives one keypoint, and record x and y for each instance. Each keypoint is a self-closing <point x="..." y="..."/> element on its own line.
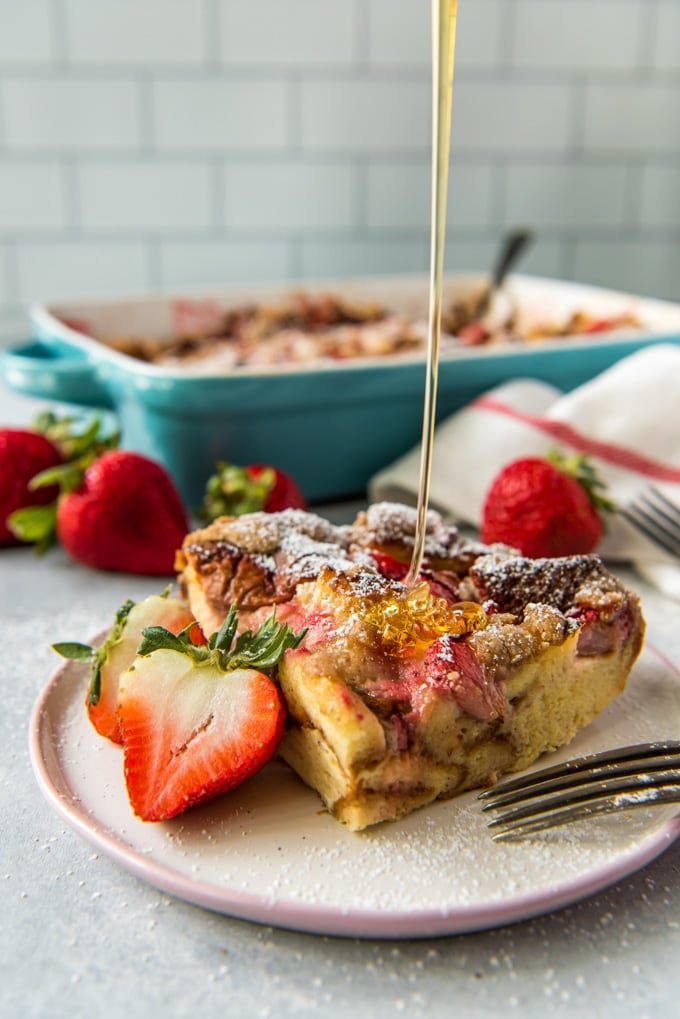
<point x="332" y="578"/>
<point x="392" y="526"/>
<point x="388" y="523"/>
<point x="263" y="533"/>
<point x="512" y="581"/>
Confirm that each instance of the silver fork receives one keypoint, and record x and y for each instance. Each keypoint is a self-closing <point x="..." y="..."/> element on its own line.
<point x="605" y="783"/>
<point x="657" y="518"/>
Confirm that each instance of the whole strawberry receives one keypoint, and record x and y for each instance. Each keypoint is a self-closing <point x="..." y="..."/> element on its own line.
<point x="126" y="516"/>
<point x="545" y="507"/>
<point x="69" y="445"/>
<point x="23" y="454"/>
<point x="233" y="491"/>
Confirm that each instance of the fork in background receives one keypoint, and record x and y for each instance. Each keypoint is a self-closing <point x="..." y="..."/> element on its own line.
<point x="657" y="518"/>
<point x="605" y="783"/>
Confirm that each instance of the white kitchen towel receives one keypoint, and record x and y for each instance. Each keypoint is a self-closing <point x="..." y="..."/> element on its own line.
<point x="627" y="420"/>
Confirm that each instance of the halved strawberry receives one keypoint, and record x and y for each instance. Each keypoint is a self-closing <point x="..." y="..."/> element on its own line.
<point x="198" y="721"/>
<point x="118" y="651"/>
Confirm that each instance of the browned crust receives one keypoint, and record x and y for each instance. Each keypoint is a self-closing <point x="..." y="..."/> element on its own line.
<point x="559" y="642"/>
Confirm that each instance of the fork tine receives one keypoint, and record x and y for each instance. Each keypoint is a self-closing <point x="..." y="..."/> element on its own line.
<point x="657" y="518"/>
<point x="509" y="828"/>
<point x="658" y="524"/>
<point x="609" y="763"/>
<point x="567" y="815"/>
<point x="624" y="778"/>
<point x="666" y="750"/>
<point x="664" y="506"/>
<point x="555" y="799"/>
<point x="573" y="781"/>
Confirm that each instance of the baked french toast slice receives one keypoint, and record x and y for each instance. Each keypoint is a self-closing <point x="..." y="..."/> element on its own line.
<point x="400" y="696"/>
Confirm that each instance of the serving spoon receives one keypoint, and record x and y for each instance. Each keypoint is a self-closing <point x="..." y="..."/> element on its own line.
<point x="512" y="246"/>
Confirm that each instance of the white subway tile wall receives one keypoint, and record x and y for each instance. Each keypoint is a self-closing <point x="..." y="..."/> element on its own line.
<point x="604" y="38"/>
<point x="33" y="197"/>
<point x="666" y="52"/>
<point x="5" y="285"/>
<point x="295" y="34"/>
<point x="218" y="113"/>
<point x="124" y="33"/>
<point x="292" y="197"/>
<point x="191" y="262"/>
<point x="159" y="143"/>
<point x="138" y="196"/>
<point x="47" y="270"/>
<point x="27" y="36"/>
<point x="75" y="112"/>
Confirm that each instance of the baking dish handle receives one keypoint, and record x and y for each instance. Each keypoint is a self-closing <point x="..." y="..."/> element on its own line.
<point x="38" y="369"/>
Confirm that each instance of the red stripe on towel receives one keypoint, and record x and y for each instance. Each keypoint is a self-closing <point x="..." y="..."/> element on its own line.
<point x="664" y="658"/>
<point x="619" y="456"/>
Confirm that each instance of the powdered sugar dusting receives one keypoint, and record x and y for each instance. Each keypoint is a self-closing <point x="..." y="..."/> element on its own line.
<point x="388" y="523"/>
<point x="270" y="852"/>
<point x="513" y="580"/>
<point x="263" y="532"/>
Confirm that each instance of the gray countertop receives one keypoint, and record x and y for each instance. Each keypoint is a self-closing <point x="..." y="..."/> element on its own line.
<point x="81" y="936"/>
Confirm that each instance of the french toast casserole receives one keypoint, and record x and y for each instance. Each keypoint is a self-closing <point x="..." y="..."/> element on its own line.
<point x="400" y="695"/>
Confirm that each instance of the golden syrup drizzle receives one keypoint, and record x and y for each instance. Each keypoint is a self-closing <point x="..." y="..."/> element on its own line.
<point x="407" y="625"/>
<point x="444" y="14"/>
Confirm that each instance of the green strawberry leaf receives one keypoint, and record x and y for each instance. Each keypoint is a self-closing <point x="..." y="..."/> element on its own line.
<point x="76" y="652"/>
<point x="233" y="491"/>
<point x="158" y="638"/>
<point x="224" y="638"/>
<point x="579" y="467"/>
<point x="35" y="524"/>
<point x="72" y="439"/>
<point x="67" y="476"/>
<point x="97" y="656"/>
<point x="80" y="449"/>
<point x="261" y="650"/>
<point x="265" y="648"/>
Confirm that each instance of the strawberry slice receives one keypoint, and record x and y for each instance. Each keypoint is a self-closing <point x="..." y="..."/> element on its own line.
<point x="199" y="720"/>
<point x="118" y="651"/>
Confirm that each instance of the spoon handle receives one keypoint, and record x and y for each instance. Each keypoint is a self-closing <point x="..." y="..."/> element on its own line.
<point x="514" y="245"/>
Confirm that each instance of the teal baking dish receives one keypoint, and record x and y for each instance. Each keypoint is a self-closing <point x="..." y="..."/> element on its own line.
<point x="331" y="425"/>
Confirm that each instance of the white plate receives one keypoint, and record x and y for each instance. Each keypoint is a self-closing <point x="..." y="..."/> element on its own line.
<point x="268" y="853"/>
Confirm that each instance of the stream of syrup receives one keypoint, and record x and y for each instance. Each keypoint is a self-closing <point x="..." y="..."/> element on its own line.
<point x="443" y="45"/>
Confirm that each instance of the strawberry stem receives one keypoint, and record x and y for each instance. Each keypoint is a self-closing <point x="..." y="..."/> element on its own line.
<point x="70" y="438"/>
<point x="579" y="467"/>
<point x="233" y="491"/>
<point x="96" y="656"/>
<point x="261" y="650"/>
